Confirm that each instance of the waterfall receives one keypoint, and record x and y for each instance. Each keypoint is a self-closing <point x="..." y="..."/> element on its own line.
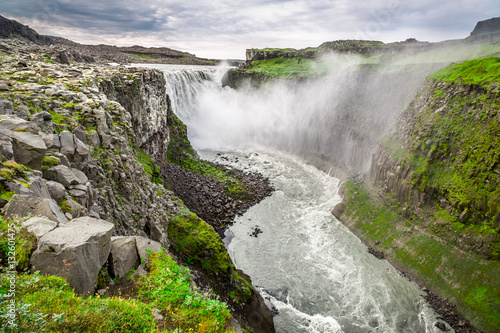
<point x="338" y="118"/>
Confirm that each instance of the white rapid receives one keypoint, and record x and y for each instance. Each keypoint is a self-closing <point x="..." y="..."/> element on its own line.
<point x="308" y="265"/>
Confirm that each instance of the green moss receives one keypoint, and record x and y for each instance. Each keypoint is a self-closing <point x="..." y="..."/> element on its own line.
<point x="198" y="242"/>
<point x="288" y="67"/>
<point x="48" y="162"/>
<point x="59" y="119"/>
<point x="65" y="207"/>
<point x="168" y="288"/>
<point x="149" y="166"/>
<point x="15" y="239"/>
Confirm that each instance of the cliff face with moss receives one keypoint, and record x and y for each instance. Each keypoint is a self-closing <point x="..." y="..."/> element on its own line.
<point x="430" y="202"/>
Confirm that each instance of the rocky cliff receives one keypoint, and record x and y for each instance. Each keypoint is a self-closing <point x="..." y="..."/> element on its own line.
<point x="87" y="147"/>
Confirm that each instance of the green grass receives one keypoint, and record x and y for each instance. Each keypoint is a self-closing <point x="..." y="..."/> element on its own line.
<point x="288" y="67"/>
<point x="478" y="71"/>
<point x="464" y="278"/>
<point x="59" y="119"/>
<point x="168" y="288"/>
<point x="24" y="244"/>
<point x="48" y="162"/>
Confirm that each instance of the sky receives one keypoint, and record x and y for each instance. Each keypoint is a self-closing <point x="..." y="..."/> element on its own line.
<point x="224" y="29"/>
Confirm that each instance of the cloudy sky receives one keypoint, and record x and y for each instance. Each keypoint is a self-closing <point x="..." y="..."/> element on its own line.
<point x="225" y="28"/>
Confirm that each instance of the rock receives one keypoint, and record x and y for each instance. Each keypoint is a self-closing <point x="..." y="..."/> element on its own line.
<point x="52" y="141"/>
<point x="16" y="124"/>
<point x="75" y="251"/>
<point x="4" y="87"/>
<point x="39" y="187"/>
<point x="63" y="159"/>
<point x="3" y="202"/>
<point x="82" y="178"/>
<point x="80" y="135"/>
<point x="144" y="245"/>
<point x="29" y="149"/>
<point x="339" y="210"/>
<point x="62" y="174"/>
<point x="124" y="256"/>
<point x="75" y="208"/>
<point x="39" y="226"/>
<point x="23" y="205"/>
<point x="56" y="190"/>
<point x="41" y="117"/>
<point x="67" y="143"/>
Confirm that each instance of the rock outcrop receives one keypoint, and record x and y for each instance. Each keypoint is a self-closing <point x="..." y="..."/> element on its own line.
<point x="75" y="251"/>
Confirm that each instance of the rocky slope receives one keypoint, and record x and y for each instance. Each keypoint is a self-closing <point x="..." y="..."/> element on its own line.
<point x="91" y="142"/>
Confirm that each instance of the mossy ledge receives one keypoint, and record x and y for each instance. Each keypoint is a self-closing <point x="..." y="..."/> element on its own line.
<point x="430" y="202"/>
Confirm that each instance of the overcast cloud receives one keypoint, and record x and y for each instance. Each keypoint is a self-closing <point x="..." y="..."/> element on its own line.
<point x="225" y="28"/>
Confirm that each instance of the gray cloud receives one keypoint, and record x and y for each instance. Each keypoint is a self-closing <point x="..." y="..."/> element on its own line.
<point x="224" y="28"/>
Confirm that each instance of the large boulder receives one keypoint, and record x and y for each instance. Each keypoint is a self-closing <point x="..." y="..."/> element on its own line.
<point x="145" y="245"/>
<point x="75" y="251"/>
<point x="24" y="205"/>
<point x="124" y="256"/>
<point x="29" y="149"/>
<point x="62" y="174"/>
<point x="57" y="191"/>
<point x="67" y="143"/>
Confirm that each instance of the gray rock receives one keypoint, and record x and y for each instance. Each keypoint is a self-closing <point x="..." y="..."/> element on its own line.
<point x="39" y="187"/>
<point x="6" y="143"/>
<point x="4" y="87"/>
<point x="62" y="174"/>
<point x="80" y="135"/>
<point x="63" y="159"/>
<point x="75" y="251"/>
<point x="67" y="143"/>
<point x="100" y="116"/>
<point x="29" y="149"/>
<point x="51" y="141"/>
<point x="39" y="226"/>
<point x="57" y="191"/>
<point x="144" y="245"/>
<point x="16" y="124"/>
<point x="23" y="206"/>
<point x="81" y="148"/>
<point x="82" y="178"/>
<point x="41" y="117"/>
<point x="77" y="210"/>
<point x="94" y="139"/>
<point x="124" y="256"/>
<point x="94" y="211"/>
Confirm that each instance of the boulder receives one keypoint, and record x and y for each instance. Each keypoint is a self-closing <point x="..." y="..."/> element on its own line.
<point x="62" y="174"/>
<point x="339" y="210"/>
<point x="75" y="251"/>
<point x="124" y="256"/>
<point x="75" y="208"/>
<point x="82" y="178"/>
<point x="29" y="149"/>
<point x="57" y="191"/>
<point x="16" y="124"/>
<point x="23" y="205"/>
<point x="39" y="226"/>
<point x="52" y="141"/>
<point x="144" y="245"/>
<point x="39" y="187"/>
<point x="67" y="143"/>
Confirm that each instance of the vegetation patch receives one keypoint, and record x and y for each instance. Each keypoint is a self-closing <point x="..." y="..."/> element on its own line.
<point x="14" y="238"/>
<point x="149" y="166"/>
<point x="289" y="67"/>
<point x="477" y="71"/>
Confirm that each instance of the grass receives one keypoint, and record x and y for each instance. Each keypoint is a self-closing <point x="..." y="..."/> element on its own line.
<point x="288" y="67"/>
<point x="464" y="278"/>
<point x="48" y="162"/>
<point x="477" y="71"/>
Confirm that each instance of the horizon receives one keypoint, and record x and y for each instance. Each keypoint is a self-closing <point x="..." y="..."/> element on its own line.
<point x="224" y="29"/>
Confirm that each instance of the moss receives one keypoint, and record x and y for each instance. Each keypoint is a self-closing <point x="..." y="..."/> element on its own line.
<point x="282" y="67"/>
<point x="149" y="166"/>
<point x="15" y="239"/>
<point x="59" y="119"/>
<point x="48" y="162"/>
<point x="65" y="207"/>
<point x="199" y="243"/>
<point x="477" y="71"/>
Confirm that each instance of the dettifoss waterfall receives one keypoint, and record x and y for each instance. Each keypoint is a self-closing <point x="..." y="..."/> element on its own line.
<point x="308" y="265"/>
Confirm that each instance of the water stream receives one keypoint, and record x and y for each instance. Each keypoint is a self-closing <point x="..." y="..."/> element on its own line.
<point x="307" y="264"/>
